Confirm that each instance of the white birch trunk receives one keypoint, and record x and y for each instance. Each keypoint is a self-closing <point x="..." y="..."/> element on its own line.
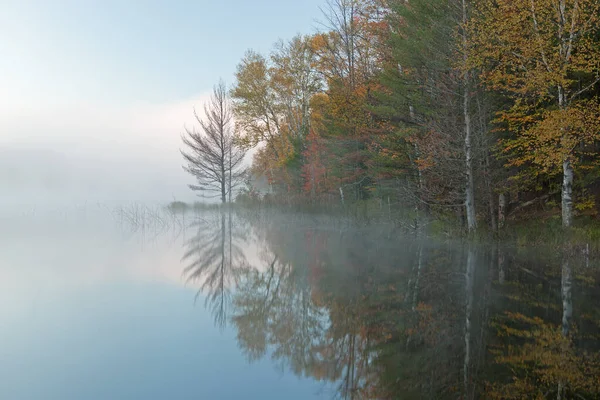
<point x="469" y="190"/>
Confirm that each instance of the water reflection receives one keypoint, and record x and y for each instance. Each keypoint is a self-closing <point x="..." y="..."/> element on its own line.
<point x="215" y="260"/>
<point x="378" y="317"/>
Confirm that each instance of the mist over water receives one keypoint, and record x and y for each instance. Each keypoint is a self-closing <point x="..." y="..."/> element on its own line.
<point x="138" y="301"/>
<point x="96" y="305"/>
<point x="407" y="200"/>
<point x="44" y="177"/>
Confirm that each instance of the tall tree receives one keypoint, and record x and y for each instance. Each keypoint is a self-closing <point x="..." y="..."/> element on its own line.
<point x="271" y="103"/>
<point x="545" y="55"/>
<point x="468" y="124"/>
<point x="212" y="154"/>
<point x="428" y="95"/>
<point x="346" y="58"/>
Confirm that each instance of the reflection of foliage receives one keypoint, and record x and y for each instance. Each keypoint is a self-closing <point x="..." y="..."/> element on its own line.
<point x="272" y="308"/>
<point x="539" y="359"/>
<point x="216" y="261"/>
<point x="318" y="307"/>
<point x="385" y="318"/>
<point x="420" y="345"/>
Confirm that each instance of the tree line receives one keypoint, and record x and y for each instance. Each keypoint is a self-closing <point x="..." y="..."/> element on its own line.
<point x="458" y="109"/>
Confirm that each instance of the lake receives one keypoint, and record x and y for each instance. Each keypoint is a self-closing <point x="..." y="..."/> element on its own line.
<point x="138" y="302"/>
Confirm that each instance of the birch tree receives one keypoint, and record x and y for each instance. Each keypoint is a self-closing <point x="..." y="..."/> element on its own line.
<point x="545" y="55"/>
<point x="430" y="95"/>
<point x="211" y="153"/>
<point x="468" y="129"/>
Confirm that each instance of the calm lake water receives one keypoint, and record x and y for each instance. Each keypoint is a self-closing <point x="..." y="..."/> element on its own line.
<point x="139" y="303"/>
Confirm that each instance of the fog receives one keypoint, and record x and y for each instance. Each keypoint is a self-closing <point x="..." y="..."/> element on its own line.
<point x="76" y="153"/>
<point x="95" y="96"/>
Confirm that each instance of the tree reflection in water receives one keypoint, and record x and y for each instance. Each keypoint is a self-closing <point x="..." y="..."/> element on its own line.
<point x="382" y="317"/>
<point x="215" y="260"/>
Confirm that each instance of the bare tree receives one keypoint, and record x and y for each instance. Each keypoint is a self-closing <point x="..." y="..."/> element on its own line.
<point x="212" y="154"/>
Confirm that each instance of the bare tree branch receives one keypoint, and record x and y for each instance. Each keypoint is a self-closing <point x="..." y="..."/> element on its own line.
<point x="212" y="155"/>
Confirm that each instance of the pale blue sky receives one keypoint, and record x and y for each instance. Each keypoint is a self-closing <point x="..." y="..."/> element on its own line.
<point x="113" y="82"/>
<point x="123" y="51"/>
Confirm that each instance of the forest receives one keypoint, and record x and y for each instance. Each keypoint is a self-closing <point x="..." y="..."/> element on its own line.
<point x="477" y="114"/>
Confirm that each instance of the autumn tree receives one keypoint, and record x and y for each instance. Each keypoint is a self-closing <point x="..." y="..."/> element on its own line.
<point x="314" y="170"/>
<point x="347" y="61"/>
<point x="429" y="97"/>
<point x="271" y="103"/>
<point x="212" y="154"/>
<point x="545" y="55"/>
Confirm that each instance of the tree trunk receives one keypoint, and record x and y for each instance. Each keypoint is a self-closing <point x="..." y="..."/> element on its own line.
<point x="567" y="193"/>
<point x="490" y="192"/>
<point x="469" y="190"/>
<point x="223" y="188"/>
<point x="501" y="210"/>
<point x="469" y="195"/>
<point x="567" y="185"/>
<point x="487" y="176"/>
<point x="230" y="170"/>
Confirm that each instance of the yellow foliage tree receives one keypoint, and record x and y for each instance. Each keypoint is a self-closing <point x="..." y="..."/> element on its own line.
<point x="545" y="55"/>
<point x="271" y="102"/>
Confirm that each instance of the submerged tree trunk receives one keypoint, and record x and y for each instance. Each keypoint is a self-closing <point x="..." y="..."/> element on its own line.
<point x="469" y="284"/>
<point x="221" y="312"/>
<point x="566" y="291"/>
<point x="420" y="239"/>
<point x="501" y="265"/>
<point x="567" y="307"/>
<point x="418" y="278"/>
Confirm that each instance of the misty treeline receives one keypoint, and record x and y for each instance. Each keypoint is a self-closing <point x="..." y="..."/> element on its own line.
<point x="469" y="111"/>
